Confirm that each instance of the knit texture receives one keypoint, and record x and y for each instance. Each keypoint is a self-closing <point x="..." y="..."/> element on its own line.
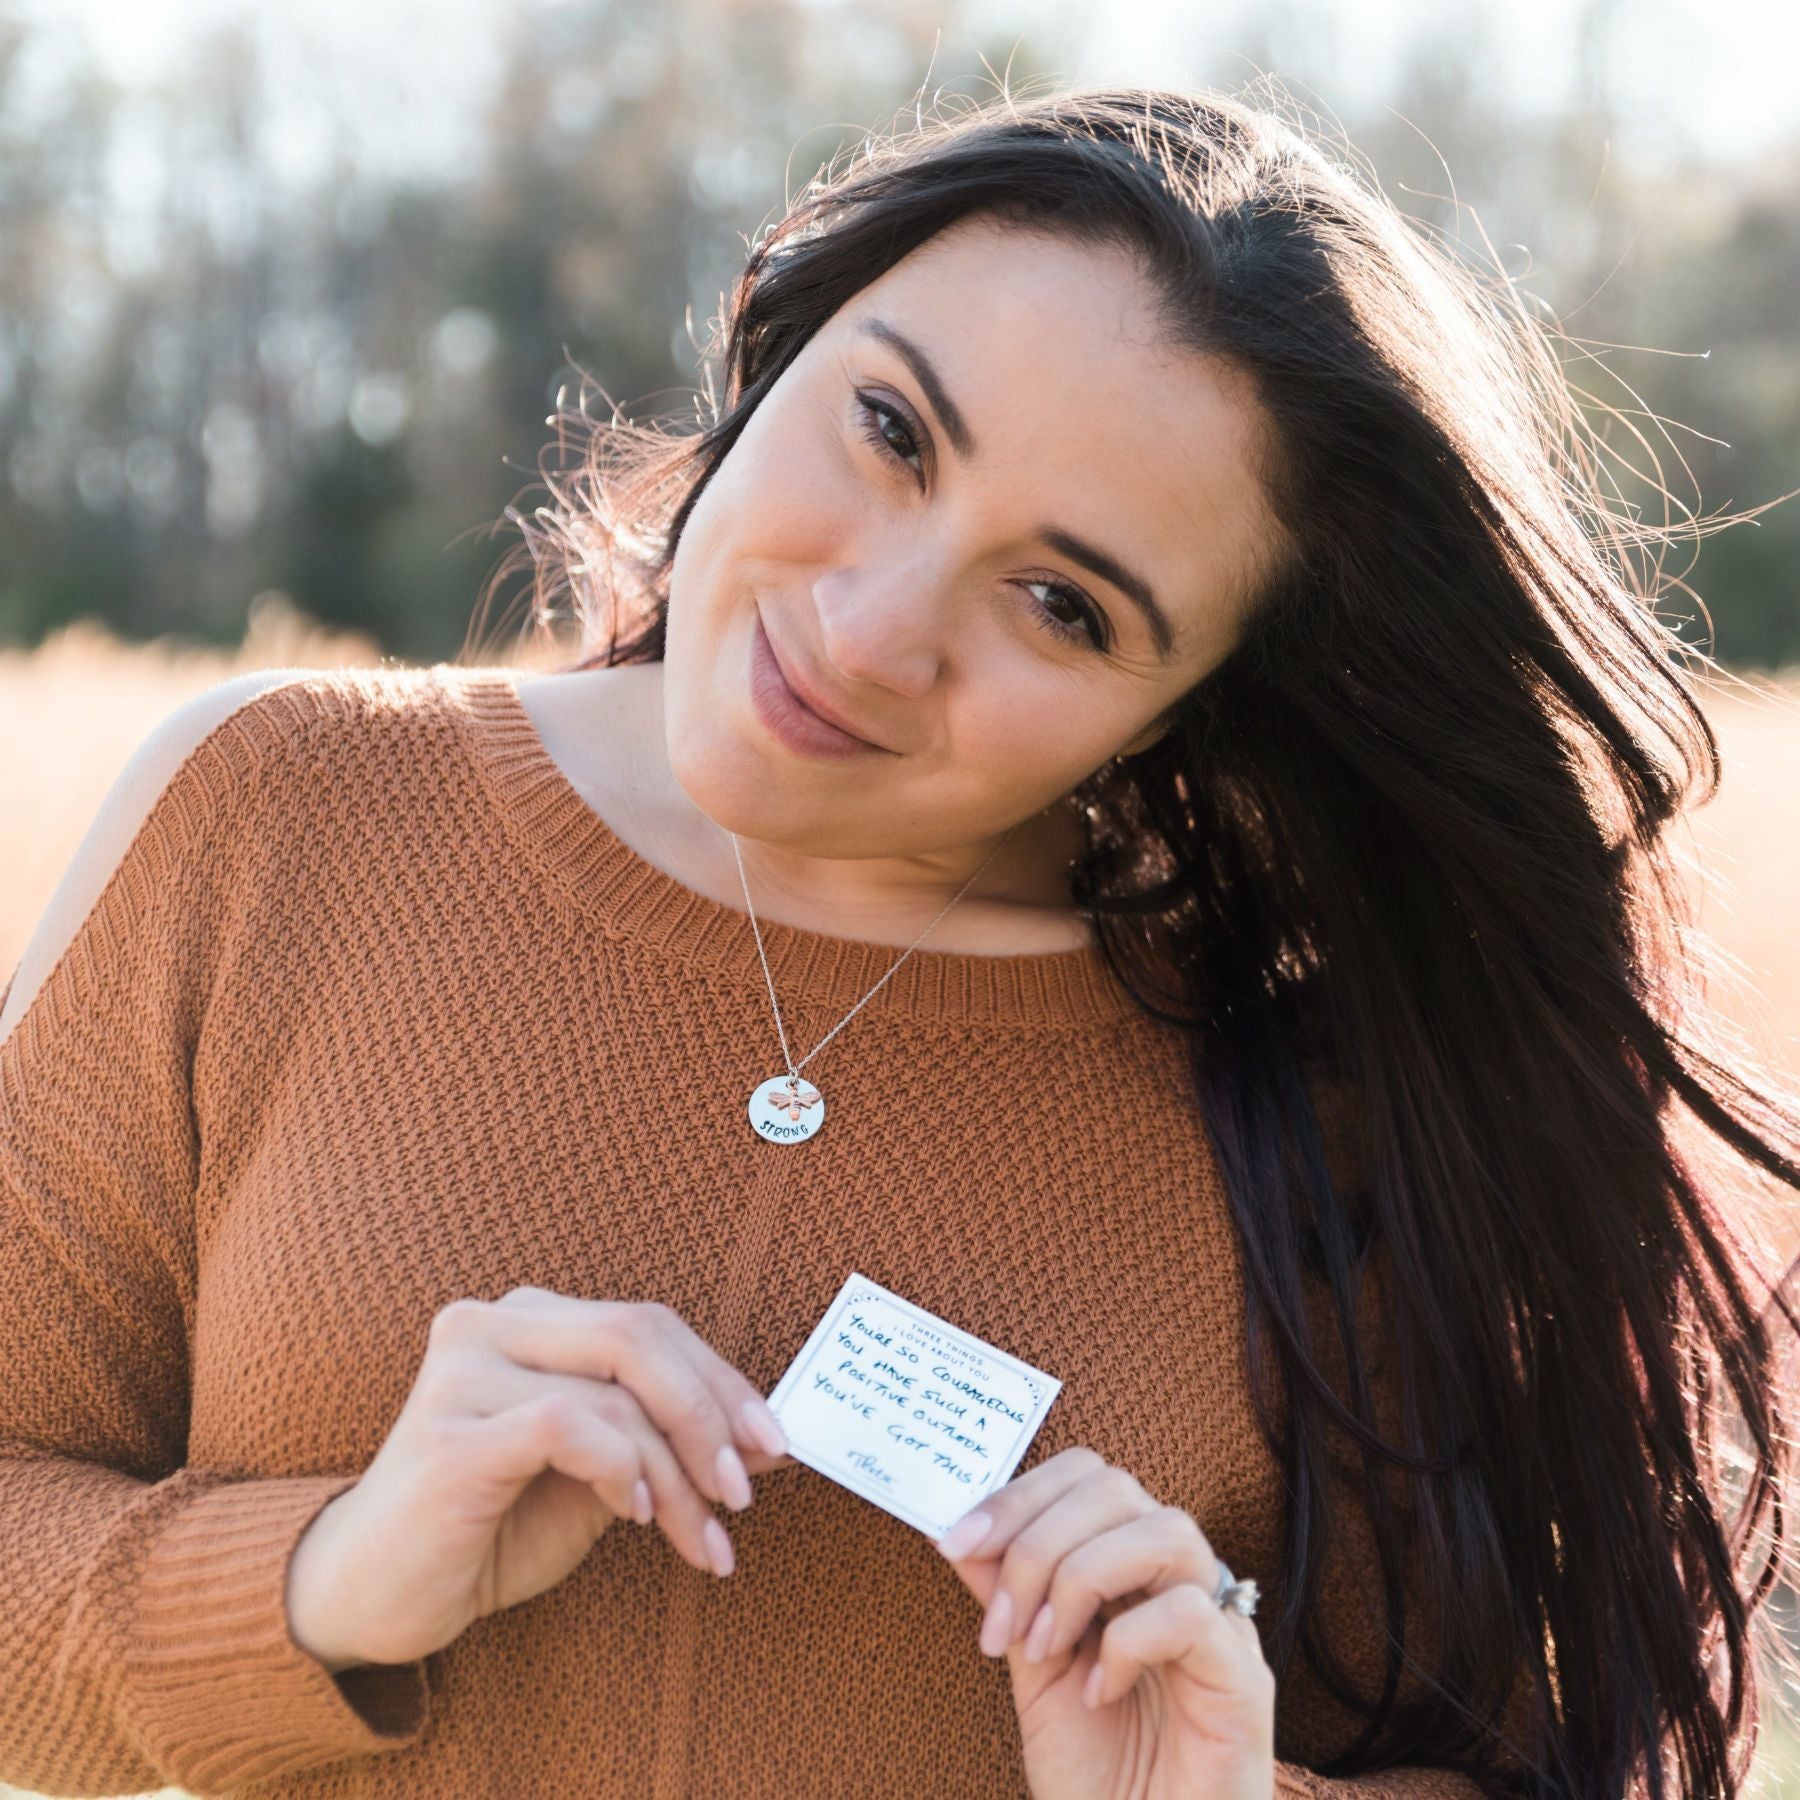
<point x="377" y="1012"/>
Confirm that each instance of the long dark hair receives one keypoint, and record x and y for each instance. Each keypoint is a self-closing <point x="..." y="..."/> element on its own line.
<point x="1403" y="868"/>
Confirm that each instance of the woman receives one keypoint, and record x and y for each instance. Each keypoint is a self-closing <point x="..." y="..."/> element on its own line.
<point x="1127" y="557"/>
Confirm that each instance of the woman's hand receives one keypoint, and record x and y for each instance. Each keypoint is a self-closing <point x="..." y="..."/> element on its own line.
<point x="1090" y="1584"/>
<point x="534" y="1421"/>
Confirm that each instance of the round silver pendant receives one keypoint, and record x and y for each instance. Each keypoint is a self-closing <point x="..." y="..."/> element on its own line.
<point x="786" y="1109"/>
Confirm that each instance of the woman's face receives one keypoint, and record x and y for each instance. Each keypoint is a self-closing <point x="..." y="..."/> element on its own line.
<point x="902" y="528"/>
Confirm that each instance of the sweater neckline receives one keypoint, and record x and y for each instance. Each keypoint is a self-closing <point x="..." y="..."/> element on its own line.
<point x="631" y="899"/>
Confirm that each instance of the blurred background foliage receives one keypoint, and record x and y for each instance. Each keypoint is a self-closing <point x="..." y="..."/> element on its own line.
<point x="287" y="315"/>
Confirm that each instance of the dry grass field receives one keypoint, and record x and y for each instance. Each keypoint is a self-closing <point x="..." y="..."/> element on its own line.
<point x="72" y="712"/>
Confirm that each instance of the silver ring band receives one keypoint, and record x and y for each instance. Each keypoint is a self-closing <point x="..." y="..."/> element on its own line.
<point x="1235" y="1596"/>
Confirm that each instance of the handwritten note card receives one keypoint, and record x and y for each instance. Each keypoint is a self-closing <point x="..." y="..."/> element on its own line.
<point x="905" y="1409"/>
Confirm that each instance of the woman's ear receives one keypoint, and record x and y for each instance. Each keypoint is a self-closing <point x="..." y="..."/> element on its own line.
<point x="1153" y="733"/>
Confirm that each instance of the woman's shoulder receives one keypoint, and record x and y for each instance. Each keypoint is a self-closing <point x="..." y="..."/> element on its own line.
<point x="146" y="780"/>
<point x="190" y="771"/>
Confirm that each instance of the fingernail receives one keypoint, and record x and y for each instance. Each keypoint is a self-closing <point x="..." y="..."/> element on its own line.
<point x="718" y="1547"/>
<point x="965" y="1534"/>
<point x="996" y="1628"/>
<point x="734" y="1482"/>
<point x="643" y="1506"/>
<point x="762" y="1425"/>
<point x="1037" y="1639"/>
<point x="1091" y="1692"/>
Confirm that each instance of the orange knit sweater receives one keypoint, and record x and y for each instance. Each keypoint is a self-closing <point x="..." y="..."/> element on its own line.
<point x="376" y="1012"/>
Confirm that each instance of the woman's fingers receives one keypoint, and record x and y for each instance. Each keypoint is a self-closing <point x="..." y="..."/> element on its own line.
<point x="986" y="1530"/>
<point x="559" y="1431"/>
<point x="1037" y="1525"/>
<point x="708" y="1411"/>
<point x="683" y="1513"/>
<point x="1154" y="1552"/>
<point x="489" y="1383"/>
<point x="1185" y="1626"/>
<point x="554" y="1430"/>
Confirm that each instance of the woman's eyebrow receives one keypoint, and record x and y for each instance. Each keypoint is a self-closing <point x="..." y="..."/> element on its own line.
<point x="956" y="427"/>
<point x="1132" y="585"/>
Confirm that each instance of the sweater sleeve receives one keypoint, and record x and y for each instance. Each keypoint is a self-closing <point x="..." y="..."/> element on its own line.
<point x="143" y="1619"/>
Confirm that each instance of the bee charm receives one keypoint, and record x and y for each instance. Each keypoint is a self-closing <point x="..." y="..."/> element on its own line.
<point x="787" y="1110"/>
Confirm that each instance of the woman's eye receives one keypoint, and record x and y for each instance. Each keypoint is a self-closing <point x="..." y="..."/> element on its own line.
<point x="1088" y="626"/>
<point x="874" y="414"/>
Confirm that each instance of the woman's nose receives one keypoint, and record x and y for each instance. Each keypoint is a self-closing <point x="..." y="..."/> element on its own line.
<point x="885" y="628"/>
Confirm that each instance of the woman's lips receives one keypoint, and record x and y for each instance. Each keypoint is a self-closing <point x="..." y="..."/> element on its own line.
<point x="787" y="716"/>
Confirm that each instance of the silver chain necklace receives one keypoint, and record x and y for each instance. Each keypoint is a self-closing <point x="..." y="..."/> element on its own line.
<point x="785" y="1109"/>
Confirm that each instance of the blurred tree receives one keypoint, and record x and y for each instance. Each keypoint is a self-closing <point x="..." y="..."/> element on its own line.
<point x="218" y="376"/>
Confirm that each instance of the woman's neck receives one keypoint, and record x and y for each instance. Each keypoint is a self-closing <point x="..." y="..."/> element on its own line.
<point x="604" y="729"/>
